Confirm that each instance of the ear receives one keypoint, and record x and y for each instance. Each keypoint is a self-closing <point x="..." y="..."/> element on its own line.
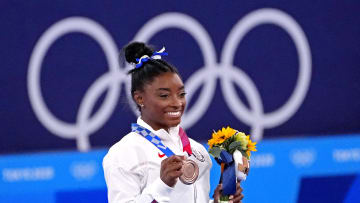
<point x="138" y="98"/>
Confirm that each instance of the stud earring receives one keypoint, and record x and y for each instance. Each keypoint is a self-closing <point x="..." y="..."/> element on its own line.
<point x="141" y="105"/>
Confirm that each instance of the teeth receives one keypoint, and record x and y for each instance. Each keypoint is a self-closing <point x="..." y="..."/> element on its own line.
<point x="176" y="113"/>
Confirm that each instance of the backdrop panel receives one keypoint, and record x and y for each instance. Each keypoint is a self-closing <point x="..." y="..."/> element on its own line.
<point x="272" y="69"/>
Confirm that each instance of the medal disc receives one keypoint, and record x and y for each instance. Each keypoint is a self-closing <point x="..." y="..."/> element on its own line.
<point x="190" y="172"/>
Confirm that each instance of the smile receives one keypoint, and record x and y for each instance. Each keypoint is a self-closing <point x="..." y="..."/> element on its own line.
<point x="174" y="113"/>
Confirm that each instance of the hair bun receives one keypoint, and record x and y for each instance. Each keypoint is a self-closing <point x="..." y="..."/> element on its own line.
<point x="136" y="50"/>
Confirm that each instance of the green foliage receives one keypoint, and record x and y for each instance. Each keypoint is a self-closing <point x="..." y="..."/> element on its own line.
<point x="234" y="146"/>
<point x="215" y="151"/>
<point x="244" y="154"/>
<point x="224" y="198"/>
<point x="227" y="143"/>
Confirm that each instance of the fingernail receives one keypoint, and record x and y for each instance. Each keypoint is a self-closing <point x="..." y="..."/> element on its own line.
<point x="231" y="196"/>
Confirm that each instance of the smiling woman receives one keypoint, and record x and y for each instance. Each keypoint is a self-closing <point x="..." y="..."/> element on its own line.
<point x="162" y="101"/>
<point x="146" y="164"/>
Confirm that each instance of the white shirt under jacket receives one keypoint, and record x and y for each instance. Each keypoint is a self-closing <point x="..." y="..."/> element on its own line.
<point x="132" y="170"/>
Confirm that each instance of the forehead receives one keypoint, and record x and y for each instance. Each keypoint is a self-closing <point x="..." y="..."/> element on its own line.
<point x="167" y="80"/>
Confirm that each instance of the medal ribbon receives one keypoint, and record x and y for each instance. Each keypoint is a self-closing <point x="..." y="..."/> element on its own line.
<point x="185" y="141"/>
<point x="155" y="140"/>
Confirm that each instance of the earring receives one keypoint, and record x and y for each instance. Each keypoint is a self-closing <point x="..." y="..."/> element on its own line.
<point x="141" y="105"/>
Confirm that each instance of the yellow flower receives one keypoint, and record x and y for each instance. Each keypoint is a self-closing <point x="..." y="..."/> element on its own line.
<point x="220" y="136"/>
<point x="251" y="146"/>
<point x="211" y="142"/>
<point x="226" y="133"/>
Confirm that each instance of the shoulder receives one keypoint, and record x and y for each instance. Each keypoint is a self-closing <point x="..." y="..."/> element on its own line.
<point x="127" y="152"/>
<point x="197" y="145"/>
<point x="128" y="142"/>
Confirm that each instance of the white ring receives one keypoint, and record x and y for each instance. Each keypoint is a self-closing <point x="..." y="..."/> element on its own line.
<point x="73" y="24"/>
<point x="207" y="75"/>
<point x="285" y="21"/>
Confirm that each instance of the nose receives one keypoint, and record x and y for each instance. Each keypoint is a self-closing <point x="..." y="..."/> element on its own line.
<point x="177" y="102"/>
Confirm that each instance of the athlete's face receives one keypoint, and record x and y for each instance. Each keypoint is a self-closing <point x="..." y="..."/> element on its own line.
<point x="163" y="101"/>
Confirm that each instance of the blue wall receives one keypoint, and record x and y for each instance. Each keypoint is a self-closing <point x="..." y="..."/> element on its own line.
<point x="296" y="170"/>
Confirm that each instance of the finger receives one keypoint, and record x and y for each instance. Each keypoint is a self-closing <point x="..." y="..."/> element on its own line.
<point x="238" y="199"/>
<point x="177" y="158"/>
<point x="238" y="192"/>
<point x="219" y="187"/>
<point x="175" y="174"/>
<point x="173" y="160"/>
<point x="217" y="191"/>
<point x="174" y="167"/>
<point x="238" y="187"/>
<point x="169" y="159"/>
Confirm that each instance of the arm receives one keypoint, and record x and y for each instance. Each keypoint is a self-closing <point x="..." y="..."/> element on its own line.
<point x="130" y="185"/>
<point x="127" y="186"/>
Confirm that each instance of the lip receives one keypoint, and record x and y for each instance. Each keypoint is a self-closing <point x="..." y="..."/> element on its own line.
<point x="174" y="114"/>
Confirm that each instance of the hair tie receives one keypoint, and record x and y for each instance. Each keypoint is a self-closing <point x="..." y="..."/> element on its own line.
<point x="156" y="55"/>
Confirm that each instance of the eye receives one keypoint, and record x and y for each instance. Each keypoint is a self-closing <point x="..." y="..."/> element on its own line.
<point x="182" y="94"/>
<point x="164" y="95"/>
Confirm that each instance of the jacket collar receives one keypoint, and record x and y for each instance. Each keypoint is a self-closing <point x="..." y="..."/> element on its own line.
<point x="172" y="135"/>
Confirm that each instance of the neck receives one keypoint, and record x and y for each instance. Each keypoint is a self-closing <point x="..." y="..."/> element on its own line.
<point x="153" y="125"/>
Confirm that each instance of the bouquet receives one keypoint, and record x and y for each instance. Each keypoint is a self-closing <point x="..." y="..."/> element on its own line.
<point x="232" y="150"/>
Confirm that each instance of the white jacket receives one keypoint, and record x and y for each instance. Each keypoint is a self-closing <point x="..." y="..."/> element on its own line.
<point x="132" y="170"/>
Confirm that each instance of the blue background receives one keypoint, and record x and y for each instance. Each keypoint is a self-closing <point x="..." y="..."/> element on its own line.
<point x="296" y="170"/>
<point x="267" y="54"/>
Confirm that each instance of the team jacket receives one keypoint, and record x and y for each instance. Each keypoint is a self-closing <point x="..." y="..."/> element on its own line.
<point x="132" y="170"/>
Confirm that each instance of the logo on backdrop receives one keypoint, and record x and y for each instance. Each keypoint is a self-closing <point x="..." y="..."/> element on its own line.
<point x="303" y="157"/>
<point x="254" y="116"/>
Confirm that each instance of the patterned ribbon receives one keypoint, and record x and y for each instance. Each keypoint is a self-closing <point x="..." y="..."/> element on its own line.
<point x="156" y="55"/>
<point x="155" y="140"/>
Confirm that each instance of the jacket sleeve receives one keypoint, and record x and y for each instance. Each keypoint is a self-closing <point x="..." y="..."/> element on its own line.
<point x="126" y="186"/>
<point x="127" y="175"/>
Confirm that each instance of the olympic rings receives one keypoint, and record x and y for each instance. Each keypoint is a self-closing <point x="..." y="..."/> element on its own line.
<point x="207" y="75"/>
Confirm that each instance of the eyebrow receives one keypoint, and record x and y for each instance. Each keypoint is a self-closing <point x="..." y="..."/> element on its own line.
<point x="168" y="89"/>
<point x="164" y="89"/>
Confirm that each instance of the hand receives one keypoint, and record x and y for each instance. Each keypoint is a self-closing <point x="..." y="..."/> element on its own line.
<point x="236" y="198"/>
<point x="217" y="193"/>
<point x="171" y="169"/>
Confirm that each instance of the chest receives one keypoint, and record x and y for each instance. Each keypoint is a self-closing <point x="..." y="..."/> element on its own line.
<point x="155" y="156"/>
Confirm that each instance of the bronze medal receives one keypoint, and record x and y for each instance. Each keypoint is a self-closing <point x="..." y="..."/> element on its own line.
<point x="190" y="172"/>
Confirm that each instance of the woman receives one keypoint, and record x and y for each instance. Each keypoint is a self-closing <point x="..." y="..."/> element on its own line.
<point x="138" y="169"/>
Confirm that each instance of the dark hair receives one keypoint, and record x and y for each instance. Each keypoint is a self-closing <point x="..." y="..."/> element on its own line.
<point x="149" y="69"/>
